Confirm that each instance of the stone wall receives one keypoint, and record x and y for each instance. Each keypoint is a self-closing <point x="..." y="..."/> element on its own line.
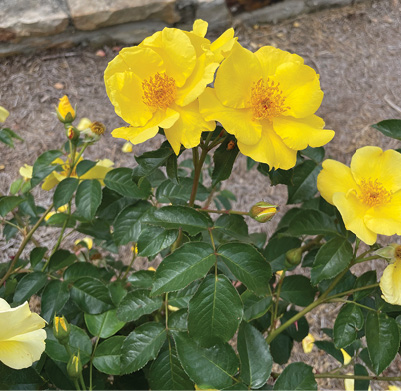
<point x="31" y="25"/>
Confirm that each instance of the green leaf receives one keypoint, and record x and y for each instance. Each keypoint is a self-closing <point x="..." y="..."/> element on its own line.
<point x="254" y="306"/>
<point x="166" y="373"/>
<point x="64" y="192"/>
<point x="186" y="264"/>
<point x="304" y="182"/>
<point x="170" y="192"/>
<point x="281" y="348"/>
<point x="16" y="185"/>
<point x="312" y="222"/>
<point x="296" y="376"/>
<point x="19" y="379"/>
<point x="360" y="370"/>
<point x="176" y="217"/>
<point x="91" y="295"/>
<point x="128" y="224"/>
<point x="349" y="321"/>
<point x="215" y="311"/>
<point x="78" y="340"/>
<point x="331" y="259"/>
<point x="61" y="259"/>
<point x="224" y="158"/>
<point x="7" y="204"/>
<point x="137" y="303"/>
<point x="182" y="297"/>
<point x="248" y="265"/>
<point x="79" y="270"/>
<point x="276" y="176"/>
<point x="107" y="358"/>
<point x="43" y="166"/>
<point x="254" y="354"/>
<point x="329" y="348"/>
<point x="298" y="290"/>
<point x="59" y="219"/>
<point x="88" y="198"/>
<point x="103" y="325"/>
<point x="208" y="367"/>
<point x="171" y="168"/>
<point x="54" y="297"/>
<point x="368" y="278"/>
<point x="227" y="227"/>
<point x="117" y="291"/>
<point x="120" y="180"/>
<point x="383" y="340"/>
<point x="390" y="128"/>
<point x="152" y="240"/>
<point x="178" y="320"/>
<point x="29" y="285"/>
<point x="316" y="154"/>
<point x="98" y="228"/>
<point x="142" y="279"/>
<point x="297" y="331"/>
<point x="142" y="345"/>
<point x="84" y="166"/>
<point x="37" y="255"/>
<point x="149" y="161"/>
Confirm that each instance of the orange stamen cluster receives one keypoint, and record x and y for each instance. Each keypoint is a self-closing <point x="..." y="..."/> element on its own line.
<point x="373" y="193"/>
<point x="159" y="91"/>
<point x="267" y="100"/>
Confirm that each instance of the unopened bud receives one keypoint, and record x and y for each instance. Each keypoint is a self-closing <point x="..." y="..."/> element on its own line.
<point x="263" y="211"/>
<point x="74" y="366"/>
<point x="61" y="329"/>
<point x="391" y="252"/>
<point x="72" y="133"/>
<point x="293" y="257"/>
<point x="65" y="112"/>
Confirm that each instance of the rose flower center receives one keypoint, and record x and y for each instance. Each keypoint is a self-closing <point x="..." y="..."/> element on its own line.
<point x="159" y="91"/>
<point x="267" y="100"/>
<point x="373" y="193"/>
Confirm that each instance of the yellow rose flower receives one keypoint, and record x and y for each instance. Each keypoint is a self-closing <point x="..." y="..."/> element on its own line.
<point x="157" y="83"/>
<point x="267" y="100"/>
<point x="65" y="111"/>
<point x="346" y="356"/>
<point x="390" y="283"/>
<point x="22" y="340"/>
<point x="97" y="172"/>
<point x="367" y="194"/>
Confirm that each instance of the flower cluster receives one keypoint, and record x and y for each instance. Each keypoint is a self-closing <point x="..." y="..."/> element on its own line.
<point x="267" y="99"/>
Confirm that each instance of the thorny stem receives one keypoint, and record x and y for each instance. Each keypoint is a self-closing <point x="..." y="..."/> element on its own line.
<point x="277" y="300"/>
<point x="339" y="300"/>
<point x="24" y="243"/>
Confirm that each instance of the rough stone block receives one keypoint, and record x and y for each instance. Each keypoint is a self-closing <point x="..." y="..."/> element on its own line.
<point x="274" y="13"/>
<point x="94" y="14"/>
<point x="215" y="12"/>
<point x="28" y="18"/>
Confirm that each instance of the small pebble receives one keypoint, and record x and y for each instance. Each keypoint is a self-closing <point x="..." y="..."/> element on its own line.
<point x="100" y="53"/>
<point x="58" y="86"/>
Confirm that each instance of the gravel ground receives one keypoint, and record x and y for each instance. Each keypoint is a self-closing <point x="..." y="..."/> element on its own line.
<point x="355" y="49"/>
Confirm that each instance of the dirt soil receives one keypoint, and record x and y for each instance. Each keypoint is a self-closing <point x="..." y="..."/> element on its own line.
<point x="356" y="50"/>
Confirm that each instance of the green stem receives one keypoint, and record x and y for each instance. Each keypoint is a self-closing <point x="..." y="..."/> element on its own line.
<point x="365" y="259"/>
<point x="338" y="300"/>
<point x="351" y="291"/>
<point x="197" y="172"/>
<point x="307" y="309"/>
<point x="12" y="225"/>
<point x="277" y="299"/>
<point x="24" y="243"/>
<point x="76" y="384"/>
<point x="166" y="309"/>
<point x="356" y="377"/>
<point x="81" y="379"/>
<point x="130" y="265"/>
<point x="91" y="362"/>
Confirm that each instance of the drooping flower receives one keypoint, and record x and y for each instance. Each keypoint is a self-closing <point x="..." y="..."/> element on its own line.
<point x="367" y="194"/>
<point x="22" y="338"/>
<point x="390" y="282"/>
<point x="157" y="83"/>
<point x="98" y="172"/>
<point x="267" y="100"/>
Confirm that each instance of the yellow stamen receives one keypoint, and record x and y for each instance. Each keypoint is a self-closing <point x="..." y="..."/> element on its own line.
<point x="373" y="193"/>
<point x="159" y="91"/>
<point x="267" y="100"/>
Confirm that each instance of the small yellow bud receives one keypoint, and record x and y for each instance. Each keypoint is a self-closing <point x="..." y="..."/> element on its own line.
<point x="263" y="211"/>
<point x="293" y="257"/>
<point x="72" y="133"/>
<point x="61" y="329"/>
<point x="172" y="308"/>
<point x="74" y="366"/>
<point x="391" y="252"/>
<point x="307" y="343"/>
<point x="127" y="147"/>
<point x="65" y="112"/>
<point x="98" y="128"/>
